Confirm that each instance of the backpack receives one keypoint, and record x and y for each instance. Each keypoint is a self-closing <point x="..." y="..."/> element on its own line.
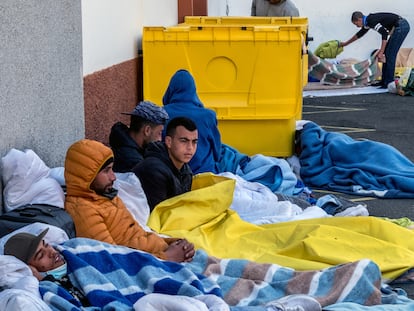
<point x="30" y="213"/>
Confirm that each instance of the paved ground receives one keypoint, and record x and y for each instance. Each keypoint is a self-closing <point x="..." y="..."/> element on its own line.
<point x="384" y="117"/>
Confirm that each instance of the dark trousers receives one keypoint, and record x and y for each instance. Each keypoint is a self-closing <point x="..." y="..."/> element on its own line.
<point x="391" y="50"/>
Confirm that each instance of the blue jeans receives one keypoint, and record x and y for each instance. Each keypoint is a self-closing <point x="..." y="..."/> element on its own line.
<point x="391" y="50"/>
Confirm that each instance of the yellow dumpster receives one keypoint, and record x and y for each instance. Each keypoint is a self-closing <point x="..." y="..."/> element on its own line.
<point x="251" y="75"/>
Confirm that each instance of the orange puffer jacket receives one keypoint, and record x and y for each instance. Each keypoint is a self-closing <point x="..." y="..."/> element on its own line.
<point x="98" y="217"/>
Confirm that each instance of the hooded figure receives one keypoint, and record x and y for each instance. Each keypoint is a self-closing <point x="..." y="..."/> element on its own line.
<point x="181" y="99"/>
<point x="102" y="217"/>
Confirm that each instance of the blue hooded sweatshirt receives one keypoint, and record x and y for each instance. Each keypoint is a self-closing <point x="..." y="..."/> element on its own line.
<point x="181" y="99"/>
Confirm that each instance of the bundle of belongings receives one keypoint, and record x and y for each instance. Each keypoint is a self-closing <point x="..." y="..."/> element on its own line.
<point x="329" y="49"/>
<point x="31" y="194"/>
<point x="404" y="73"/>
<point x="403" y="85"/>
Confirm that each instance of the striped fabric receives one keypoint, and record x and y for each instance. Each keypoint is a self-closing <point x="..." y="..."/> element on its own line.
<point x="358" y="74"/>
<point x="115" y="277"/>
<point x="244" y="282"/>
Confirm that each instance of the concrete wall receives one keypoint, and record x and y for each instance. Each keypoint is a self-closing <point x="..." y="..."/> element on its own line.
<point x="41" y="90"/>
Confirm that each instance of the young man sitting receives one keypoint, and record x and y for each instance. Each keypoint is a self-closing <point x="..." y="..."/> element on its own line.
<point x="165" y="172"/>
<point x="128" y="143"/>
<point x="99" y="213"/>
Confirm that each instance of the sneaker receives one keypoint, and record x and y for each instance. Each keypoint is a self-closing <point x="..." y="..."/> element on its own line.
<point x="297" y="302"/>
<point x="337" y="206"/>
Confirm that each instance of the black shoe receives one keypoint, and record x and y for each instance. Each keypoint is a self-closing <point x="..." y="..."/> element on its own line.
<point x="378" y="83"/>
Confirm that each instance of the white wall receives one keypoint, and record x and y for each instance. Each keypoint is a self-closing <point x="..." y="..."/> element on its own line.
<point x="331" y="20"/>
<point x="112" y="29"/>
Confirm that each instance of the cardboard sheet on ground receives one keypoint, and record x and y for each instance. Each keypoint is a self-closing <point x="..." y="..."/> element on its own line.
<point x="202" y="216"/>
<point x="329" y="91"/>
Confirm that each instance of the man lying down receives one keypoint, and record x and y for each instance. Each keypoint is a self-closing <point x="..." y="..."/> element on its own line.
<point x="89" y="275"/>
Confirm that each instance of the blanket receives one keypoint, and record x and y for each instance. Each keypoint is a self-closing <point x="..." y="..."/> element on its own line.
<point x="257" y="204"/>
<point x="337" y="162"/>
<point x="117" y="277"/>
<point x="358" y="74"/>
<point x="203" y="216"/>
<point x="274" y="173"/>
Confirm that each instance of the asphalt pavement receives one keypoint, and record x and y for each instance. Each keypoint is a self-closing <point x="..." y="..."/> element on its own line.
<point x="383" y="117"/>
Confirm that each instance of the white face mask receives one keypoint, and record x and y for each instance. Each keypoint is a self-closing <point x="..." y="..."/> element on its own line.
<point x="58" y="272"/>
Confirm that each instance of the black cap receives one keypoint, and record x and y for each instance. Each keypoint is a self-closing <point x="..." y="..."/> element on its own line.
<point x="23" y="245"/>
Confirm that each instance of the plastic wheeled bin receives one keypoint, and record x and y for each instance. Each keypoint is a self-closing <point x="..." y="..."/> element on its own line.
<point x="300" y="21"/>
<point x="251" y="75"/>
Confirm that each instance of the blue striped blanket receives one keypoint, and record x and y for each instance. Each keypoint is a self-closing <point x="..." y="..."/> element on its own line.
<point x="115" y="277"/>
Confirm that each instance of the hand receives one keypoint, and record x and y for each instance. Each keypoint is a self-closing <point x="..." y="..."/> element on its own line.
<point x="180" y="251"/>
<point x="381" y="57"/>
<point x="36" y="273"/>
<point x="341" y="44"/>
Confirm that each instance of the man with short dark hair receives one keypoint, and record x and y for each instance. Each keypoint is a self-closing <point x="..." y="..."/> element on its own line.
<point x="181" y="99"/>
<point x="165" y="172"/>
<point x="393" y="30"/>
<point x="128" y="143"/>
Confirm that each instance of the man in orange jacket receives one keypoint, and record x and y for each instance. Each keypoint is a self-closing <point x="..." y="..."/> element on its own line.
<point x="100" y="214"/>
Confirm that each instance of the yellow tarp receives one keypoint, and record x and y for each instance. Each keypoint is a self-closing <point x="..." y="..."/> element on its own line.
<point x="203" y="217"/>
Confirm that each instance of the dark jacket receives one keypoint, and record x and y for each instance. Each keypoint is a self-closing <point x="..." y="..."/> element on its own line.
<point x="126" y="151"/>
<point x="159" y="178"/>
<point x="383" y="23"/>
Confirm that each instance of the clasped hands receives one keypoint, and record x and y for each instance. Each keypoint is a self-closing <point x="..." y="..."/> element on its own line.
<point x="180" y="251"/>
